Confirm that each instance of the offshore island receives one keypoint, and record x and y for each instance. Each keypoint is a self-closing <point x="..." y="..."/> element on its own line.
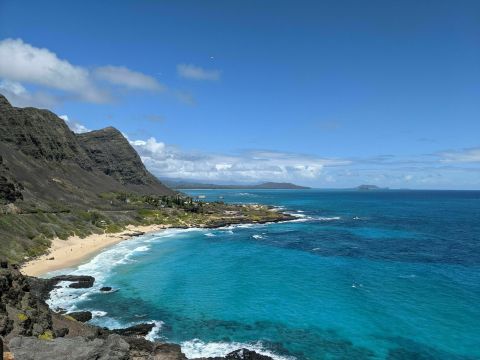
<point x="63" y="198"/>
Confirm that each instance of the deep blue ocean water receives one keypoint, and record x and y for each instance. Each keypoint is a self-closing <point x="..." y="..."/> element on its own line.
<point x="359" y="275"/>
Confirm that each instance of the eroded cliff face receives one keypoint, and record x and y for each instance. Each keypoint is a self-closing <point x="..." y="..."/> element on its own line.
<point x="43" y="161"/>
<point x="112" y="154"/>
<point x="40" y="134"/>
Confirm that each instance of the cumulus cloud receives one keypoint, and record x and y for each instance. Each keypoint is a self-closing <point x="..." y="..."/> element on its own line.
<point x="56" y="80"/>
<point x="193" y="72"/>
<point x="75" y="126"/>
<point x="471" y="155"/>
<point x="168" y="161"/>
<point x="121" y="75"/>
<point x="18" y="96"/>
<point x="23" y="62"/>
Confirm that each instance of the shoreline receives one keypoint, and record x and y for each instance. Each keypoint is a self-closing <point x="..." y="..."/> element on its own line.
<point x="68" y="253"/>
<point x="63" y="254"/>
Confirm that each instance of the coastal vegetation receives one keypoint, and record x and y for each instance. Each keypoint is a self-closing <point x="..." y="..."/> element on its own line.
<point x="28" y="234"/>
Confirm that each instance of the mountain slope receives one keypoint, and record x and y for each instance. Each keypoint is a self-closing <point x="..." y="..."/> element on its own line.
<point x="43" y="164"/>
<point x="178" y="184"/>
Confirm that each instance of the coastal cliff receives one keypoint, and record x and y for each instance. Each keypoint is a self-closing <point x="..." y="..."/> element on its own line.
<point x="45" y="165"/>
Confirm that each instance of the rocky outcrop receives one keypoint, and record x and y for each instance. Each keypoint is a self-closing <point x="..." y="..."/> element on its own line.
<point x="77" y="281"/>
<point x="135" y="330"/>
<point x="114" y="347"/>
<point x="245" y="354"/>
<point x="82" y="316"/>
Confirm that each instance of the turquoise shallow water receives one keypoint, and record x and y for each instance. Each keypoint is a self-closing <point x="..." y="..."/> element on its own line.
<point x="359" y="275"/>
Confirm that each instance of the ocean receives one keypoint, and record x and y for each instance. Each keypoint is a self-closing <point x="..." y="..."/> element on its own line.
<point x="357" y="275"/>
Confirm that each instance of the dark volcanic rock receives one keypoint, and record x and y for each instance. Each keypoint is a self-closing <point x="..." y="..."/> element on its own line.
<point x="245" y="354"/>
<point x="106" y="289"/>
<point x="61" y="332"/>
<point x="78" y="281"/>
<point x="135" y="330"/>
<point x="82" y="316"/>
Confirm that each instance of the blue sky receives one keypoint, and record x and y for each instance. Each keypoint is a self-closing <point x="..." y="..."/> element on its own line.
<point x="322" y="93"/>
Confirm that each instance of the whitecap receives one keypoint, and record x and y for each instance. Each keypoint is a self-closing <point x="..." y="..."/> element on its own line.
<point x="198" y="349"/>
<point x="326" y="218"/>
<point x="209" y="234"/>
<point x="257" y="236"/>
<point x="155" y="332"/>
<point x="98" y="313"/>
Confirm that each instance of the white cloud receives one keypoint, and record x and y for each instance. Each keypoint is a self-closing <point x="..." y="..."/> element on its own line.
<point x="75" y="126"/>
<point x="120" y="75"/>
<point x="168" y="161"/>
<point x="193" y="72"/>
<point x="23" y="62"/>
<point x="18" y="96"/>
<point x="57" y="80"/>
<point x="471" y="155"/>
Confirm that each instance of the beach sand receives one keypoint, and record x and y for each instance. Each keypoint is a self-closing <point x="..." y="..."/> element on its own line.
<point x="75" y="250"/>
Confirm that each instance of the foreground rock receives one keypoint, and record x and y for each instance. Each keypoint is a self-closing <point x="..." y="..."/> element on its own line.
<point x="31" y="331"/>
<point x="82" y="316"/>
<point x="135" y="330"/>
<point x="245" y="354"/>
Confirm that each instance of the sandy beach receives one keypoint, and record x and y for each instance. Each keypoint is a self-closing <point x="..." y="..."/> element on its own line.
<point x="75" y="250"/>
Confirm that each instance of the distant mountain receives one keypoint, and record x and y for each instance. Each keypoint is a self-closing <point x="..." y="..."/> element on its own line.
<point x="267" y="185"/>
<point x="370" y="187"/>
<point x="45" y="165"/>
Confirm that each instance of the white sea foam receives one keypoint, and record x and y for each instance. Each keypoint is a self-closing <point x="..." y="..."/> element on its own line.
<point x="325" y="218"/>
<point x="98" y="313"/>
<point x="198" y="349"/>
<point x="209" y="234"/>
<point x="155" y="332"/>
<point x="299" y="215"/>
<point x="257" y="236"/>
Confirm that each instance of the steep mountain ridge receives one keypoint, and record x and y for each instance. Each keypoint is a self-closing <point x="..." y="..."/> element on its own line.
<point x="45" y="165"/>
<point x="114" y="156"/>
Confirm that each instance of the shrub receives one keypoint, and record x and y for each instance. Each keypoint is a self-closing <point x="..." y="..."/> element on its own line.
<point x="47" y="335"/>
